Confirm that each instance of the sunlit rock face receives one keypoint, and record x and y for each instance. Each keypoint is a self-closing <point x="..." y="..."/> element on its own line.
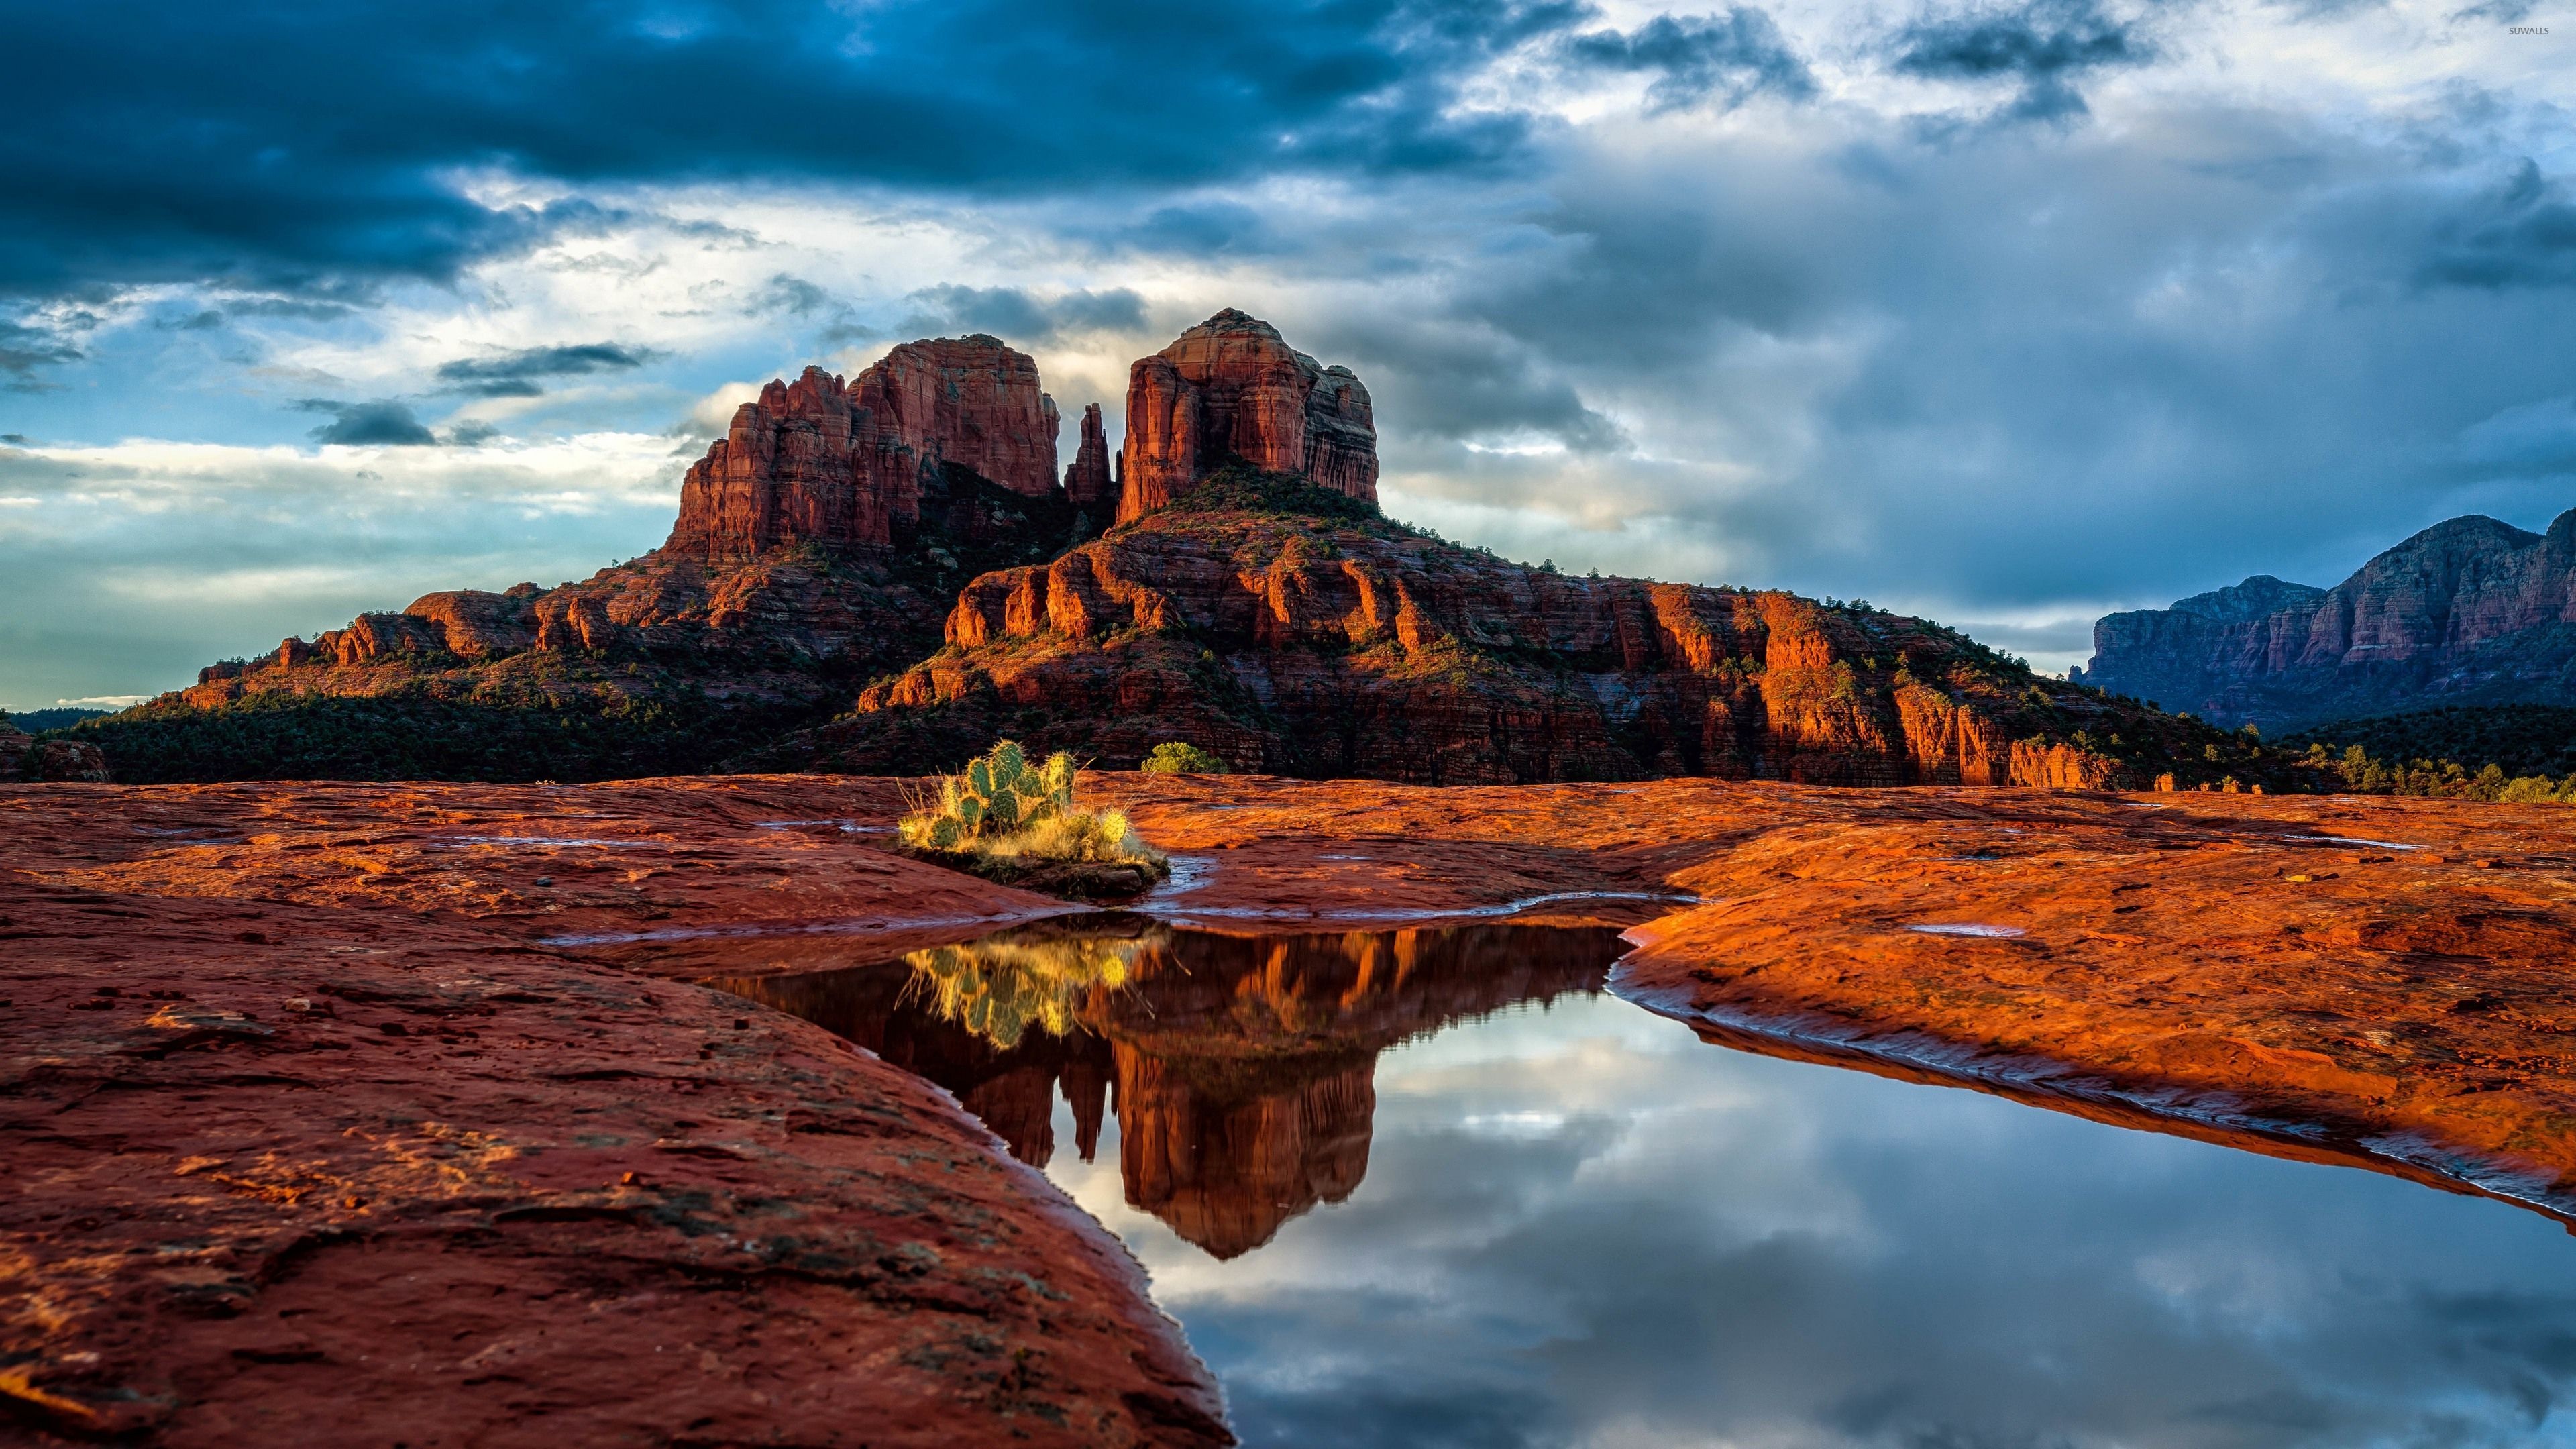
<point x="1231" y="389"/>
<point x="1240" y="1069"/>
<point x="1329" y="646"/>
<point x="841" y="464"/>
<point x="2470" y="611"/>
<point x="1087" y="480"/>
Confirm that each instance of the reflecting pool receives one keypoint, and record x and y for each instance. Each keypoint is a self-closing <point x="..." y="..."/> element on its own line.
<point x="1438" y="1187"/>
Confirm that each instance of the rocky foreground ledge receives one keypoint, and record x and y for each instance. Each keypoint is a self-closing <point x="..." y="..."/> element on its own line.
<point x="328" y="1102"/>
<point x="304" y="1146"/>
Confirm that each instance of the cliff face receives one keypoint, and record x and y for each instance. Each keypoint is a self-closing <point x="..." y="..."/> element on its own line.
<point x="1087" y="480"/>
<point x="1230" y="390"/>
<point x="2471" y="611"/>
<point x="842" y="465"/>
<point x="821" y="540"/>
<point x="1335" y="643"/>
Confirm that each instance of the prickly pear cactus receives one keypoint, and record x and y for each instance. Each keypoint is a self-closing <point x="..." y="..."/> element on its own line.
<point x="1002" y="792"/>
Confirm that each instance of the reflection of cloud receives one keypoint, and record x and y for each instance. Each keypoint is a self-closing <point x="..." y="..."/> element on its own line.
<point x="1713" y="1247"/>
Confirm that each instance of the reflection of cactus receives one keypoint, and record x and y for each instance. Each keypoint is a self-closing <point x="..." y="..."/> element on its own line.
<point x="999" y="989"/>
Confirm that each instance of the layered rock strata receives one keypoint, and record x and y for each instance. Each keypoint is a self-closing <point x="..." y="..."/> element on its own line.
<point x="842" y="464"/>
<point x="1230" y="390"/>
<point x="820" y="541"/>
<point x="1318" y="646"/>
<point x="2472" y="611"/>
<point x="1087" y="479"/>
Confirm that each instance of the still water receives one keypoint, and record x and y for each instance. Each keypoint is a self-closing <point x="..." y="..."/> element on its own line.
<point x="1436" y="1188"/>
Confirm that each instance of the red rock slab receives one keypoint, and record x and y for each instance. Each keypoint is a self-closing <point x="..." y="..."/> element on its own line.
<point x="2204" y="958"/>
<point x="593" y="864"/>
<point x="296" y="1171"/>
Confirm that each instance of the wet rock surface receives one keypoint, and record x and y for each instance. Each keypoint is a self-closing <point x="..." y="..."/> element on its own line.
<point x="301" y="1152"/>
<point x="327" y="992"/>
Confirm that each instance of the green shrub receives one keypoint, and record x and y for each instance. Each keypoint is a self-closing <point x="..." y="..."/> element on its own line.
<point x="1176" y="757"/>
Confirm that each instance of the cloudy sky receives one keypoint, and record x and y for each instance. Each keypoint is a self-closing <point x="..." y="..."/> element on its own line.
<point x="2010" y="313"/>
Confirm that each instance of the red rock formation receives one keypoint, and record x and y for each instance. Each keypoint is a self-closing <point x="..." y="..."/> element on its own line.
<point x="1086" y="482"/>
<point x="1230" y="389"/>
<point x="841" y="465"/>
<point x="24" y="757"/>
<point x="1356" y="647"/>
<point x="821" y="540"/>
<point x="2471" y="611"/>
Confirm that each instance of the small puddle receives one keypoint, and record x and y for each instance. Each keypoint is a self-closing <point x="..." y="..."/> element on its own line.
<point x="1966" y="929"/>
<point x="1439" y="1186"/>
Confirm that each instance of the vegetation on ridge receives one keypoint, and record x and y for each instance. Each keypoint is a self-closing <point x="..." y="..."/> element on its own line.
<point x="1177" y="757"/>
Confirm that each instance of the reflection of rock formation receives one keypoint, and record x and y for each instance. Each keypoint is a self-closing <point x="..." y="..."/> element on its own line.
<point x="1241" y="1068"/>
<point x="1226" y="1170"/>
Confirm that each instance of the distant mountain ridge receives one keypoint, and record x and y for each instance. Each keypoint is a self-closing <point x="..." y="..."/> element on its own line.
<point x="2471" y="611"/>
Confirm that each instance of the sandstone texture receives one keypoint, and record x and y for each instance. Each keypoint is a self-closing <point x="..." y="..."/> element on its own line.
<point x="842" y="465"/>
<point x="303" y="1154"/>
<point x="2471" y="611"/>
<point x="1229" y="390"/>
<point x="2270" y="971"/>
<point x="1336" y="643"/>
<point x="1088" y="479"/>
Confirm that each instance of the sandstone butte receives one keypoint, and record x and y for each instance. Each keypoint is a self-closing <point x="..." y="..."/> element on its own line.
<point x="822" y="539"/>
<point x="1230" y="390"/>
<point x="1295" y="631"/>
<point x="880" y="574"/>
<point x="2469" y="612"/>
<point x="328" y="1101"/>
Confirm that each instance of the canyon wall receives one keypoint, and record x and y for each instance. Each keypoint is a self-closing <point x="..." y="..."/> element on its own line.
<point x="2470" y="611"/>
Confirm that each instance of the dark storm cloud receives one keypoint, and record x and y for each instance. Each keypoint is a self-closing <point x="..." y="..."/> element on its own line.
<point x="1695" y="58"/>
<point x="1206" y="228"/>
<point x="368" y="424"/>
<point x="25" y="349"/>
<point x="793" y="295"/>
<point x="1017" y="317"/>
<point x="314" y="150"/>
<point x="515" y="374"/>
<point x="2045" y="47"/>
<point x="2519" y="234"/>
